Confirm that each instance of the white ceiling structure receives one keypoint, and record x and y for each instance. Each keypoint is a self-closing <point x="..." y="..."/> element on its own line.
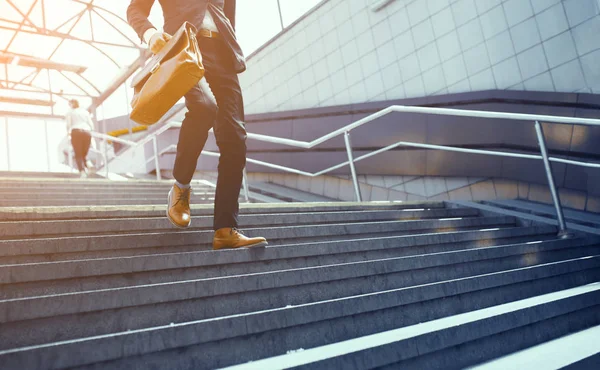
<point x="63" y="49"/>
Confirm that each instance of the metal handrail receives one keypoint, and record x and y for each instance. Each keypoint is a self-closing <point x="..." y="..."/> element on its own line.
<point x="426" y="110"/>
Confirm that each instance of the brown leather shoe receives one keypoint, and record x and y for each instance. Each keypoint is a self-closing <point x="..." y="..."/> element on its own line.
<point x="227" y="237"/>
<point x="178" y="211"/>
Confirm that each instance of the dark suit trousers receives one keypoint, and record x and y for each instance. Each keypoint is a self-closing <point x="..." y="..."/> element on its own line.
<point x="215" y="102"/>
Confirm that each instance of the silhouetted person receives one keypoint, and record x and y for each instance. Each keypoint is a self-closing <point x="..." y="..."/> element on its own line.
<point x="215" y="102"/>
<point x="79" y="126"/>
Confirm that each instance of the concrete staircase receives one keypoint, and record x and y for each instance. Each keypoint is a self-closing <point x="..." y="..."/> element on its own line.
<point x="41" y="191"/>
<point x="90" y="283"/>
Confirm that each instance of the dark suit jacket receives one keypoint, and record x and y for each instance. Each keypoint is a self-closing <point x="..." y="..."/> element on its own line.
<point x="178" y="11"/>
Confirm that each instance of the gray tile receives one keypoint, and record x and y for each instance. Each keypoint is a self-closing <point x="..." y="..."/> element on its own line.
<point x="532" y="62"/>
<point x="379" y="194"/>
<point x="317" y="185"/>
<point x="477" y="59"/>
<point x="463" y="11"/>
<point x="375" y="180"/>
<point x="344" y="33"/>
<point x="470" y="34"/>
<point x="354" y="73"/>
<point x="568" y="77"/>
<point x="435" y="6"/>
<point x="448" y="45"/>
<point x="455" y="70"/>
<point x="560" y="49"/>
<point x="325" y="89"/>
<point x="435" y="186"/>
<point x="591" y="70"/>
<point x="341" y="12"/>
<point x="525" y="35"/>
<point x="493" y="22"/>
<point x="506" y="189"/>
<point x="386" y="54"/>
<point x="374" y="85"/>
<point x="579" y="11"/>
<point x="434" y="80"/>
<point x="414" y="87"/>
<point x="396" y="92"/>
<point x="332" y="187"/>
<point x="428" y="56"/>
<point x="417" y="12"/>
<point x="483" y="190"/>
<point x="423" y="33"/>
<point x="399" y="22"/>
<point x="404" y="44"/>
<point x="360" y="23"/>
<point x="542" y="82"/>
<point x="358" y="93"/>
<point x="507" y="73"/>
<point x="416" y="187"/>
<point x="398" y="195"/>
<point x="365" y="43"/>
<point x="552" y="21"/>
<point x="461" y="194"/>
<point x="365" y="192"/>
<point x="483" y="80"/>
<point x="443" y="22"/>
<point x="409" y="66"/>
<point x="393" y="76"/>
<point x="335" y="60"/>
<point x="540" y="5"/>
<point x="485" y="5"/>
<point x="586" y="36"/>
<point x="350" y="52"/>
<point x="382" y="32"/>
<point x="453" y="183"/>
<point x="517" y="11"/>
<point x="369" y="64"/>
<point x="460" y="87"/>
<point x="321" y="70"/>
<point x="500" y="47"/>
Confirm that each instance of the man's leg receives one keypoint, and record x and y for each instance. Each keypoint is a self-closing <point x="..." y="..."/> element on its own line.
<point x="230" y="134"/>
<point x="200" y="117"/>
<point x="77" y="148"/>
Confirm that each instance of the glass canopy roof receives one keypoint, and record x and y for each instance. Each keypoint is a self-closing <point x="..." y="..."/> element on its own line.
<point x="55" y="50"/>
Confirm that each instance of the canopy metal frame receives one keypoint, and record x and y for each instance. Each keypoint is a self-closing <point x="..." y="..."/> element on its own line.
<point x="72" y="75"/>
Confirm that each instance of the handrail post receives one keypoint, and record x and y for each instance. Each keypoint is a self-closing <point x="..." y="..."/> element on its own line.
<point x="351" y="164"/>
<point x="245" y="185"/>
<point x="106" y="156"/>
<point x="156" y="162"/>
<point x="563" y="232"/>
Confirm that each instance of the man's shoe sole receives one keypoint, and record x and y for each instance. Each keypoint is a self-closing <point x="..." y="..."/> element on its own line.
<point x="256" y="245"/>
<point x="169" y="216"/>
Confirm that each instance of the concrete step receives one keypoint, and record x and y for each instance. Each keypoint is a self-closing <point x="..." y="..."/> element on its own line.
<point x="191" y="265"/>
<point x="579" y="350"/>
<point x="93" y="195"/>
<point x="26" y="202"/>
<point x="208" y="343"/>
<point x="428" y="242"/>
<point x="79" y="212"/>
<point x="545" y="210"/>
<point x="333" y="280"/>
<point x="306" y="233"/>
<point x="108" y="225"/>
<point x="287" y="194"/>
<point x="470" y="337"/>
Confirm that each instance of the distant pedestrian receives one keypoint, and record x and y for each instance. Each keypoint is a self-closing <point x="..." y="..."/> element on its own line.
<point x="79" y="126"/>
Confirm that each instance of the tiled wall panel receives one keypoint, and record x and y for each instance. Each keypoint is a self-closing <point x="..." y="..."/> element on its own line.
<point x="344" y="52"/>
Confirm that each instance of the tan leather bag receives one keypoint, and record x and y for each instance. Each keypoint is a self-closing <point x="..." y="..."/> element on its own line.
<point x="167" y="77"/>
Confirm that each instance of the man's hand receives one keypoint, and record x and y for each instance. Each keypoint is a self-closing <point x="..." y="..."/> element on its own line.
<point x="157" y="41"/>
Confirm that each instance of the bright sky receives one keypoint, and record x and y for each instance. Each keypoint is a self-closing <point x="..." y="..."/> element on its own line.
<point x="257" y="22"/>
